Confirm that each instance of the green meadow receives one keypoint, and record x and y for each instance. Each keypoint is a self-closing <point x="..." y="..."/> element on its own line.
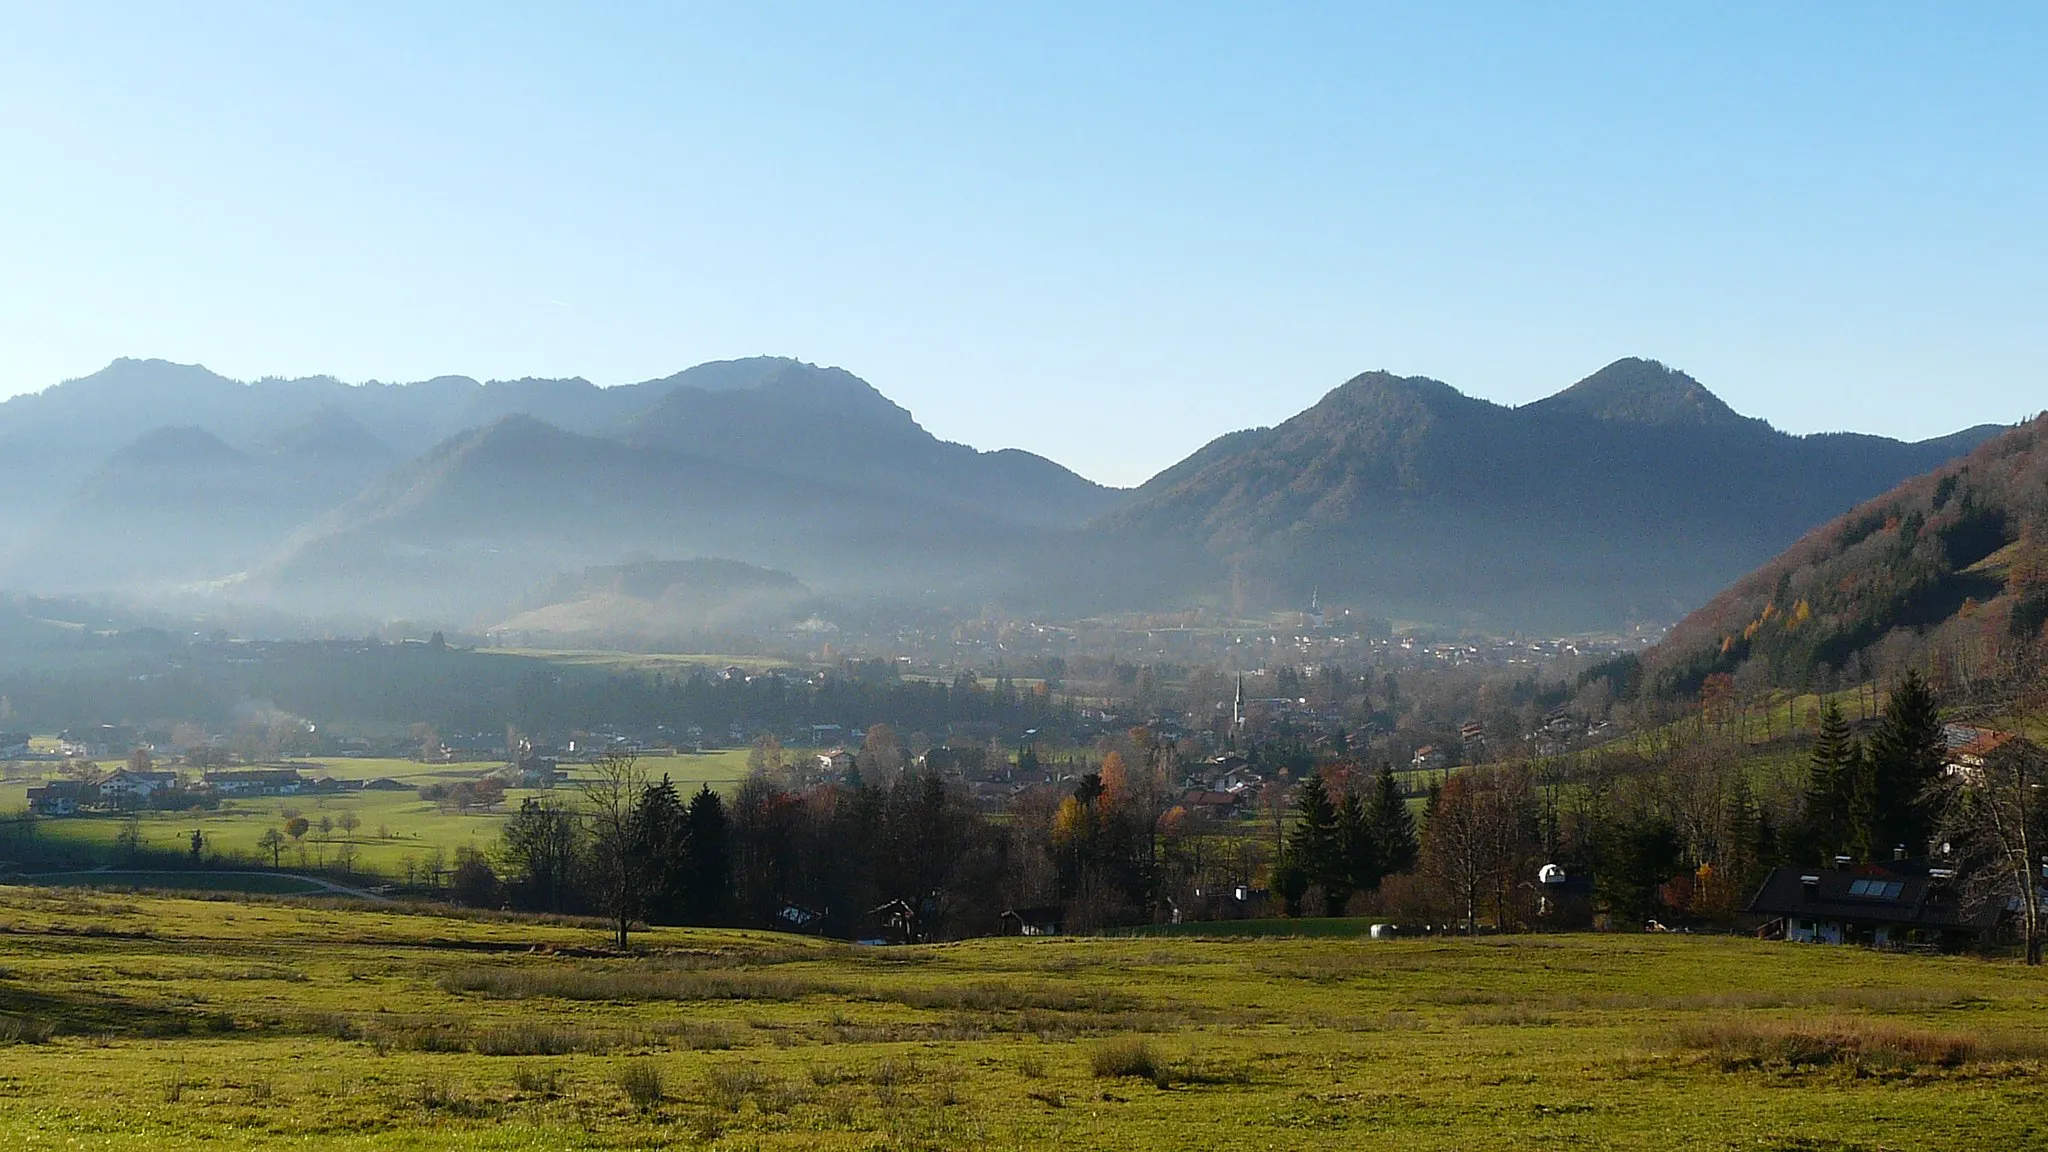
<point x="392" y="828"/>
<point x="140" y="1021"/>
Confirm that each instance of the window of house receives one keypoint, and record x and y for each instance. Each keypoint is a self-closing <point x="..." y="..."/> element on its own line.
<point x="1876" y="889"/>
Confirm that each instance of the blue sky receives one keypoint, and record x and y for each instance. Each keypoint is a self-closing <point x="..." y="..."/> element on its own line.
<point x="1106" y="234"/>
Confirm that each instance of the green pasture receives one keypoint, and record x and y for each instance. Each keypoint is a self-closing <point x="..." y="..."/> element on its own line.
<point x="392" y="829"/>
<point x="137" y="1021"/>
<point x="673" y="663"/>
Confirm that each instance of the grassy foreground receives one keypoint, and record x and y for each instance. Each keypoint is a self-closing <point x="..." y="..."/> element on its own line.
<point x="134" y="1021"/>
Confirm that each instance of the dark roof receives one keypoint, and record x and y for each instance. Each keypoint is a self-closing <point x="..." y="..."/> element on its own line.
<point x="1049" y="914"/>
<point x="252" y="775"/>
<point x="1904" y="892"/>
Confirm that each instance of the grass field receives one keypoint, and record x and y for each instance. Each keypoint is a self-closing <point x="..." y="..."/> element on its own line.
<point x="393" y="826"/>
<point x="673" y="663"/>
<point x="180" y="1024"/>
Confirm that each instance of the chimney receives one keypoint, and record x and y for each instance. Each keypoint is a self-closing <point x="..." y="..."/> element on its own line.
<point x="1898" y="852"/>
<point x="1844" y="861"/>
<point x="1809" y="886"/>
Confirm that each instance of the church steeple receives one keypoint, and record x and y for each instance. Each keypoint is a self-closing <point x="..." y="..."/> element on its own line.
<point x="1237" y="707"/>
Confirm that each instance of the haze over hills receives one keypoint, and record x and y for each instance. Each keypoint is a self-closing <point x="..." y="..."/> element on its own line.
<point x="1952" y="564"/>
<point x="652" y="601"/>
<point x="1632" y="495"/>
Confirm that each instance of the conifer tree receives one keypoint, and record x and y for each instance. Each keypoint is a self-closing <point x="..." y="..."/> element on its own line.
<point x="1393" y="828"/>
<point x="707" y="875"/>
<point x="1863" y="833"/>
<point x="1829" y="785"/>
<point x="1356" y="867"/>
<point x="660" y="835"/>
<point x="1312" y="846"/>
<point x="1905" y="755"/>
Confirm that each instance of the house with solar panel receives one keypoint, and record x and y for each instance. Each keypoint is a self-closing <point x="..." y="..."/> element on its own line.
<point x="1894" y="904"/>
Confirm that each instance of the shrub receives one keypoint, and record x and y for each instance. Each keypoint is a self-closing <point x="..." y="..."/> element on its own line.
<point x="728" y="1085"/>
<point x="1861" y="1043"/>
<point x="1125" y="1056"/>
<point x="537" y="1080"/>
<point x="641" y="1081"/>
<point x="528" y="1038"/>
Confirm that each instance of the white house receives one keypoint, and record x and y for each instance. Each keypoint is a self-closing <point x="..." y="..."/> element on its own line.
<point x="127" y="784"/>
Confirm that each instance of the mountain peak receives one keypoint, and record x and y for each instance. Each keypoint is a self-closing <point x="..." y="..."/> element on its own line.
<point x="177" y="447"/>
<point x="333" y="434"/>
<point x="1637" y="391"/>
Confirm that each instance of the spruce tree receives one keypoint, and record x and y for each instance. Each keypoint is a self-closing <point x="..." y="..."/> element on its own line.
<point x="707" y="878"/>
<point x="1357" y="864"/>
<point x="1863" y="834"/>
<point x="1905" y="753"/>
<point x="1312" y="845"/>
<point x="1829" y="785"/>
<point x="660" y="836"/>
<point x="1393" y="828"/>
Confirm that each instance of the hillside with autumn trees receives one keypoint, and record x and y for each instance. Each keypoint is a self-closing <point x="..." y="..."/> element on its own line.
<point x="1947" y="572"/>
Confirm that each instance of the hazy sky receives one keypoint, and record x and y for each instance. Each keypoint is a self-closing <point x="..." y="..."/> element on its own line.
<point x="1103" y="236"/>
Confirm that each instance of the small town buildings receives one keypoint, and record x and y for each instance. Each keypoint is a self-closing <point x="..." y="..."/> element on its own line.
<point x="835" y="764"/>
<point x="1428" y="758"/>
<point x="1897" y="904"/>
<point x="14" y="746"/>
<point x="97" y="742"/>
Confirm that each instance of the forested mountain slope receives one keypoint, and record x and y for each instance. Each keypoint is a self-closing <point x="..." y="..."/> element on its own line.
<point x="1633" y="494"/>
<point x="1948" y="570"/>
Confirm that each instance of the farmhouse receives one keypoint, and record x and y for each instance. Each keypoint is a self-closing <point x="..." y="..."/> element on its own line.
<point x="1966" y="748"/>
<point x="1895" y="904"/>
<point x="255" y="782"/>
<point x="1220" y="805"/>
<point x="129" y="786"/>
<point x="56" y="798"/>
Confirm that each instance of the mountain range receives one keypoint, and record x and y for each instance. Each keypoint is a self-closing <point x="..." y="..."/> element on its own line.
<point x="1632" y="495"/>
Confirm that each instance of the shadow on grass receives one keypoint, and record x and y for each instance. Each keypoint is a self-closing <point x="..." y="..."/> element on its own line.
<point x="32" y="1015"/>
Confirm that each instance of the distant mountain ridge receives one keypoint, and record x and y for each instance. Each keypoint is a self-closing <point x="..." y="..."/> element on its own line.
<point x="1630" y="495"/>
<point x="243" y="476"/>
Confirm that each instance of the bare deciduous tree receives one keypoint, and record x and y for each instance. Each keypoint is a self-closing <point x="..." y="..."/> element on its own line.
<point x="611" y="803"/>
<point x="1995" y="822"/>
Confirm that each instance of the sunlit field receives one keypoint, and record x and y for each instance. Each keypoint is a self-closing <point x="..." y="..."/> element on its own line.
<point x="136" y="1021"/>
<point x="395" y="833"/>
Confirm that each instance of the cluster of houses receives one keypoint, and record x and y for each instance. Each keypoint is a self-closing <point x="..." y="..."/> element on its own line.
<point x="131" y="788"/>
<point x="1904" y="902"/>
